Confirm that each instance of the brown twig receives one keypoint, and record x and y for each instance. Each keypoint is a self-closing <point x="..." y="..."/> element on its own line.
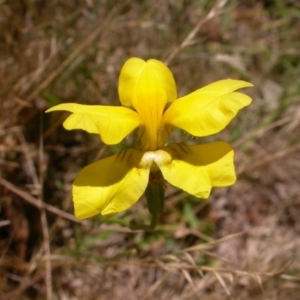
<point x="36" y="202"/>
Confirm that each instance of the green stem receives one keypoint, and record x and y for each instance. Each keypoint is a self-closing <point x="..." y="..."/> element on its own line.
<point x="155" y="195"/>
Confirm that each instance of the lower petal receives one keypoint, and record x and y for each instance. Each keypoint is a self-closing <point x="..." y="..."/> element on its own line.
<point x="110" y="185"/>
<point x="196" y="169"/>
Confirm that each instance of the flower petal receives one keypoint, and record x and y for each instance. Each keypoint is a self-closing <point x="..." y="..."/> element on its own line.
<point x="112" y="123"/>
<point x="147" y="86"/>
<point x="110" y="185"/>
<point x="208" y="110"/>
<point x="196" y="169"/>
<point x="132" y="80"/>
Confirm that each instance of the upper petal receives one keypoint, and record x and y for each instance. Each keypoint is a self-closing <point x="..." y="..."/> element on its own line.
<point x="147" y="86"/>
<point x="112" y="123"/>
<point x="209" y="109"/>
<point x="110" y="185"/>
<point x="196" y="169"/>
<point x="139" y="77"/>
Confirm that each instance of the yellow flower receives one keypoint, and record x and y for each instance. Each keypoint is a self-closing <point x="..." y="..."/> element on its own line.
<point x="113" y="184"/>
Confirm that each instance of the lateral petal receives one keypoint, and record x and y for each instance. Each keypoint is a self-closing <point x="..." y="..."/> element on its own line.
<point x="110" y="185"/>
<point x="209" y="109"/>
<point x="196" y="169"/>
<point x="112" y="123"/>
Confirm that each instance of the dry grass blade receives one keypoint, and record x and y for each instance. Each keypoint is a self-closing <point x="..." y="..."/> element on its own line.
<point x="192" y="261"/>
<point x="212" y="244"/>
<point x="259" y="281"/>
<point x="44" y="222"/>
<point x="14" y="294"/>
<point x="188" y="40"/>
<point x="25" y="83"/>
<point x="79" y="49"/>
<point x="223" y="284"/>
<point x="281" y="272"/>
<point x="190" y="281"/>
<point x="4" y="223"/>
<point x="234" y="245"/>
<point x="46" y="243"/>
<point x="269" y="159"/>
<point x="149" y="293"/>
<point x="29" y="278"/>
<point x="261" y="131"/>
<point x="30" y="164"/>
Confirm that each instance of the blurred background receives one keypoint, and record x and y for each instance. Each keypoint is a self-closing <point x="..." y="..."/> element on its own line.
<point x="242" y="243"/>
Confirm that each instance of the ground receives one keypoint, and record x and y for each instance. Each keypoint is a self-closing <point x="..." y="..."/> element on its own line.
<point x="242" y="243"/>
